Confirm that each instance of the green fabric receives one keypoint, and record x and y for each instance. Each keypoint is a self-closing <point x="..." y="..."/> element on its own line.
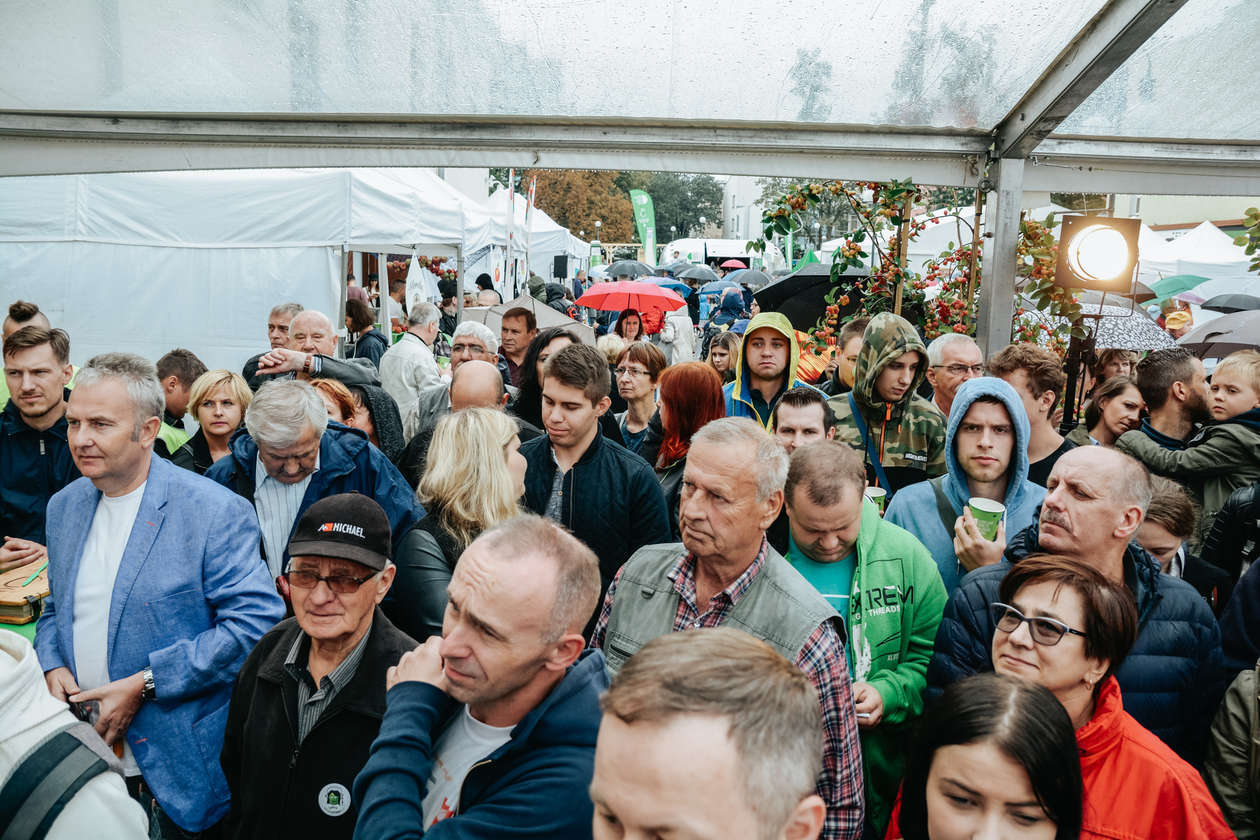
<point x="1221" y="459"/>
<point x="1080" y="435"/>
<point x="898" y="599"/>
<point x="1231" y="770"/>
<point x="779" y="607"/>
<point x="1166" y="287"/>
<point x="914" y="435"/>
<point x="173" y="438"/>
<point x="742" y="392"/>
<point x="834" y="581"/>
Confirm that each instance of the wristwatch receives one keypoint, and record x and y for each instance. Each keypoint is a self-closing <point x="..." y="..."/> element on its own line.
<point x="150" y="690"/>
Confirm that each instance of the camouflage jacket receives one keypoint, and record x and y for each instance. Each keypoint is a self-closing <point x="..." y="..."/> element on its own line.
<point x="910" y="433"/>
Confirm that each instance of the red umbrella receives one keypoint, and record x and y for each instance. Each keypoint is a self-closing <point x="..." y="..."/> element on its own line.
<point x="629" y="294"/>
<point x="732" y="263"/>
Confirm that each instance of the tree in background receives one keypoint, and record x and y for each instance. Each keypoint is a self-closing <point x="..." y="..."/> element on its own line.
<point x="830" y="216"/>
<point x="679" y="200"/>
<point x="575" y="198"/>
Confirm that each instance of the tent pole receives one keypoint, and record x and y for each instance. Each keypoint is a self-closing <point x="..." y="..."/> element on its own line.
<point x="997" y="292"/>
<point x="344" y="287"/>
<point x="382" y="283"/>
<point x="459" y="284"/>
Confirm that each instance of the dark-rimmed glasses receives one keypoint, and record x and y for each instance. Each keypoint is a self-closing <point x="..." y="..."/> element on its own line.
<point x="1044" y="631"/>
<point x="340" y="584"/>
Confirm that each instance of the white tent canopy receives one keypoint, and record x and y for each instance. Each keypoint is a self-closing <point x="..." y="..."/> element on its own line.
<point x="151" y="261"/>
<point x="546" y="238"/>
<point x="1208" y="252"/>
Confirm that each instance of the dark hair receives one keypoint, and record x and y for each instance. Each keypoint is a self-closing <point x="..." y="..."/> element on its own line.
<point x="580" y="366"/>
<point x="803" y="396"/>
<point x="1021" y="719"/>
<point x="528" y="403"/>
<point x="182" y="364"/>
<point x="531" y="321"/>
<point x="32" y="336"/>
<point x="447" y="288"/>
<point x="1110" y="611"/>
<point x="484" y="281"/>
<point x="648" y="355"/>
<point x="692" y="391"/>
<point x="360" y="316"/>
<point x="397" y="283"/>
<point x="621" y="319"/>
<point x="1171" y="508"/>
<point x="1042" y="368"/>
<point x="21" y="311"/>
<point x="853" y="328"/>
<point x="1159" y="370"/>
<point x="1106" y="392"/>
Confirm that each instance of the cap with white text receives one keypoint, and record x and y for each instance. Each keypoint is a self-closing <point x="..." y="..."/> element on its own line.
<point x="349" y="526"/>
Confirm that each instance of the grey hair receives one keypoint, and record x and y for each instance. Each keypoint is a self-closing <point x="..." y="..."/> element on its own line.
<point x="478" y="331"/>
<point x="140" y="377"/>
<point x="1132" y="482"/>
<point x="769" y="461"/>
<point x="423" y="315"/>
<point x="282" y="410"/>
<point x="936" y="350"/>
<point x="289" y="310"/>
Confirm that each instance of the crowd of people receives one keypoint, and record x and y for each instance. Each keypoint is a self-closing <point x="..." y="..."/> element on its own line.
<point x="453" y="581"/>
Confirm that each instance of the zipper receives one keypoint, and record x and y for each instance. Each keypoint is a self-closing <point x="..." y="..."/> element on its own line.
<point x="460" y="806"/>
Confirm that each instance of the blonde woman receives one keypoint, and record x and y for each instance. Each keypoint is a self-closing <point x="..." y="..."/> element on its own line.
<point x="218" y="399"/>
<point x="473" y="480"/>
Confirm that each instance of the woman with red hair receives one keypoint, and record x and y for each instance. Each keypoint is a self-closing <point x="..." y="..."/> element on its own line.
<point x="691" y="396"/>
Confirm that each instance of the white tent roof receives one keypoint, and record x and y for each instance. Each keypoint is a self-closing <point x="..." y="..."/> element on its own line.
<point x="240" y="209"/>
<point x="1208" y="252"/>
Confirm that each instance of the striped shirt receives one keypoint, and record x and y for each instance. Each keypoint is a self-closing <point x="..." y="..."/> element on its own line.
<point x="823" y="661"/>
<point x="277" y="505"/>
<point x="312" y="700"/>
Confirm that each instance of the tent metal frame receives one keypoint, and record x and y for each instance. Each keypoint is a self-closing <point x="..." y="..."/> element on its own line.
<point x="1020" y="153"/>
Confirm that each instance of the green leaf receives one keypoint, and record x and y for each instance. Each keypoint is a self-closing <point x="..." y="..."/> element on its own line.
<point x="859" y="235"/>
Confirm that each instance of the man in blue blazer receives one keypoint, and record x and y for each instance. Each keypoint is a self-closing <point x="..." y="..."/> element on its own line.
<point x="158" y="594"/>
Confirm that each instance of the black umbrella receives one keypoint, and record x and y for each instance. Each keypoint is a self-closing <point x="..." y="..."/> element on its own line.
<point x="751" y="277"/>
<point x="1232" y="303"/>
<point x="630" y="268"/>
<point x="700" y="273"/>
<point x="802" y="295"/>
<point x="676" y="266"/>
<point x="1222" y="336"/>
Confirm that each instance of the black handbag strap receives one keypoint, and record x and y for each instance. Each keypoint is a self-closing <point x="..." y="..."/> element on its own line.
<point x="44" y="783"/>
<point x="943" y="507"/>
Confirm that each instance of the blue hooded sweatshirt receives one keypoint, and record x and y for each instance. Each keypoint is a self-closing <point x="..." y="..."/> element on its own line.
<point x="915" y="509"/>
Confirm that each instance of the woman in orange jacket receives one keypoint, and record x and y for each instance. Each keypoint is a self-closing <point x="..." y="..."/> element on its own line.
<point x="1064" y="626"/>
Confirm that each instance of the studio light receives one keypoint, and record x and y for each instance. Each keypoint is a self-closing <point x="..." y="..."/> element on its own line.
<point x="1097" y="252"/>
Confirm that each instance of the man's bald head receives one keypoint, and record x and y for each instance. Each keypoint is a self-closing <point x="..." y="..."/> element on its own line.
<point x="23" y="313"/>
<point x="1125" y="478"/>
<point x="477" y="384"/>
<point x="311" y="331"/>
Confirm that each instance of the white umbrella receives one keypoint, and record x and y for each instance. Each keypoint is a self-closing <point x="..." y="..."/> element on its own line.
<point x="1118" y="327"/>
<point x="492" y="317"/>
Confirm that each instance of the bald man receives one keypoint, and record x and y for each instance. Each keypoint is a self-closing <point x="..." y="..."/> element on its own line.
<point x="475" y="384"/>
<point x="1095" y="502"/>
<point x="312" y="343"/>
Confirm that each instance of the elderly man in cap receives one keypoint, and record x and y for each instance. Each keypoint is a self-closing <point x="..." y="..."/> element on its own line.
<point x="308" y="702"/>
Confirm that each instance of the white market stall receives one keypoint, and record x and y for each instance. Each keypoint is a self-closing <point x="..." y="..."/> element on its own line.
<point x="145" y="262"/>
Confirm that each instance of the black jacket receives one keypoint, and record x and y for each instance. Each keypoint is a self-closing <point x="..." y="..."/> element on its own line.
<point x="612" y="500"/>
<point x="426" y="559"/>
<point x="1168" y="679"/>
<point x="347" y="373"/>
<point x="1233" y="543"/>
<point x="670" y="478"/>
<point x="194" y="455"/>
<point x="371" y="346"/>
<point x="276" y="784"/>
<point x="33" y="466"/>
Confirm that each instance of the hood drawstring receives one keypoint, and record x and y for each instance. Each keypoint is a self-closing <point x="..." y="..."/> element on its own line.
<point x="883" y="429"/>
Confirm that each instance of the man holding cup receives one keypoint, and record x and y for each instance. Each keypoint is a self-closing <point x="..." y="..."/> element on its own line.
<point x="963" y="517"/>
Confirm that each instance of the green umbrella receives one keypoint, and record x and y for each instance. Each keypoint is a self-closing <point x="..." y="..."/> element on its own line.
<point x="1166" y="287"/>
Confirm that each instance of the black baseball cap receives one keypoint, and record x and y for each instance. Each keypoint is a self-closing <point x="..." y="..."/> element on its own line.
<point x="349" y="526"/>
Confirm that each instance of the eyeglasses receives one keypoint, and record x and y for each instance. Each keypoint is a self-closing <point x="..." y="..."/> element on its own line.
<point x="340" y="584"/>
<point x="1044" y="631"/>
<point x="959" y="370"/>
<point x="630" y="372"/>
<point x="475" y="349"/>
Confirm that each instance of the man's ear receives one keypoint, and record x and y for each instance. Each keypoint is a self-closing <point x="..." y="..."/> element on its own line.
<point x="807" y="819"/>
<point x="504" y="400"/>
<point x="831" y="433"/>
<point x="565" y="651"/>
<point x="931" y="377"/>
<point x="1130" y="523"/>
<point x="605" y="402"/>
<point x="1179" y="391"/>
<point x="170" y="384"/>
<point x="770" y="508"/>
<point x="149" y="431"/>
<point x="384" y="582"/>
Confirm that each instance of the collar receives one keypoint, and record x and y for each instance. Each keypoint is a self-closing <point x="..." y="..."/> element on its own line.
<point x="261" y="475"/>
<point x="683" y="577"/>
<point x="1166" y="441"/>
<point x="1103" y="730"/>
<point x="295" y="663"/>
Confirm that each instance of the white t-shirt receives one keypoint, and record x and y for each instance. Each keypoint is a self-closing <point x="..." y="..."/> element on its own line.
<point x="395" y="310"/>
<point x="94" y="593"/>
<point x="465" y="742"/>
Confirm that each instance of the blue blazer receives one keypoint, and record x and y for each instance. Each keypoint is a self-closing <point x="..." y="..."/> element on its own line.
<point x="191" y="598"/>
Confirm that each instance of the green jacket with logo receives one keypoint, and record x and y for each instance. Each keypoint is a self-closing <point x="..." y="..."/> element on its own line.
<point x="894" y="609"/>
<point x="908" y="435"/>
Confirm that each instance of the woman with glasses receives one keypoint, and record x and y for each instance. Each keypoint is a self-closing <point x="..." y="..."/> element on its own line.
<point x="473" y="480"/>
<point x="994" y="758"/>
<point x="1063" y="625"/>
<point x="638" y="368"/>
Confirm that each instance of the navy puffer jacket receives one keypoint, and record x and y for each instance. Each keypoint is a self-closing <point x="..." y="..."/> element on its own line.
<point x="1169" y="678"/>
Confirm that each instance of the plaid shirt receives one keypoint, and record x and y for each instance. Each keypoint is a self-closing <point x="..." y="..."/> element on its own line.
<point x="822" y="659"/>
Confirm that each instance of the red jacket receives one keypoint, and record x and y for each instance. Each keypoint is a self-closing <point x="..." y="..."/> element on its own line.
<point x="1137" y="788"/>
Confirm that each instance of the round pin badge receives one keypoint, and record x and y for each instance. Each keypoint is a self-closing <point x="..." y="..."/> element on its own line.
<point x="334" y="799"/>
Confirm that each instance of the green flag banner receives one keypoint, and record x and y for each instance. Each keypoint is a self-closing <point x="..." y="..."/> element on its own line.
<point x="645" y="221"/>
